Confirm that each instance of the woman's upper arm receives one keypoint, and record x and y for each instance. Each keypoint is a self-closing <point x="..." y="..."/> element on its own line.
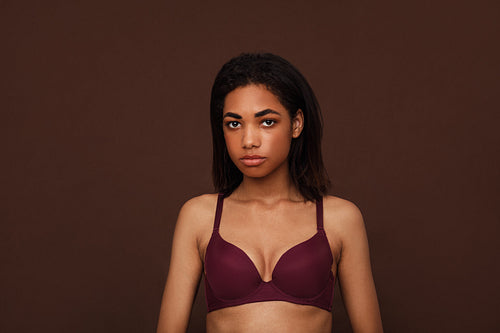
<point x="354" y="271"/>
<point x="184" y="271"/>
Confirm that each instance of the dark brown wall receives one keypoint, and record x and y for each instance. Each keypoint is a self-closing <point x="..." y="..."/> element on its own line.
<point x="105" y="133"/>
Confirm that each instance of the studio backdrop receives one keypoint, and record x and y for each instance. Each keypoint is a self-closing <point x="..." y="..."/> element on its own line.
<point x="104" y="129"/>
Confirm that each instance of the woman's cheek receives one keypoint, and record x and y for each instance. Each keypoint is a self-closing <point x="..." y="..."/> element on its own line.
<point x="231" y="144"/>
<point x="280" y="144"/>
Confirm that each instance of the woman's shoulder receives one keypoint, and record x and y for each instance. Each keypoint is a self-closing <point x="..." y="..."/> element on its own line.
<point x="200" y="206"/>
<point x="196" y="217"/>
<point x="195" y="221"/>
<point x="342" y="215"/>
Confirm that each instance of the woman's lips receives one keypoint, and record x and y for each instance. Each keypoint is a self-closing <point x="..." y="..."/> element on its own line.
<point x="252" y="160"/>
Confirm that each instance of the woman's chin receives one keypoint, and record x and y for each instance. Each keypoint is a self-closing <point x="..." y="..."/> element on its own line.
<point x="254" y="174"/>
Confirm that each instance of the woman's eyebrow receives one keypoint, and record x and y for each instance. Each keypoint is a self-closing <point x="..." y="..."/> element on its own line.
<point x="266" y="111"/>
<point x="231" y="114"/>
<point x="257" y="114"/>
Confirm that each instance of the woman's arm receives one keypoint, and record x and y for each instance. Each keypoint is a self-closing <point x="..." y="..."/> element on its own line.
<point x="354" y="271"/>
<point x="184" y="273"/>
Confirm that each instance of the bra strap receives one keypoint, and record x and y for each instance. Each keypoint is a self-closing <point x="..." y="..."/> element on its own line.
<point x="218" y="212"/>
<point x="319" y="213"/>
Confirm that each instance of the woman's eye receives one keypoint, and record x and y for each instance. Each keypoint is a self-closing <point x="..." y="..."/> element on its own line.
<point x="268" y="122"/>
<point x="233" y="124"/>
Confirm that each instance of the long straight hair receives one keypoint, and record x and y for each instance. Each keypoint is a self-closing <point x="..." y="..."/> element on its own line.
<point x="281" y="78"/>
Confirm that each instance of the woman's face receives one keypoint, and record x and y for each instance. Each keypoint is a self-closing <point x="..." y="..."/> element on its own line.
<point x="258" y="130"/>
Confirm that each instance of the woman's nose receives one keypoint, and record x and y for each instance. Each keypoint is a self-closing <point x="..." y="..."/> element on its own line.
<point x="251" y="138"/>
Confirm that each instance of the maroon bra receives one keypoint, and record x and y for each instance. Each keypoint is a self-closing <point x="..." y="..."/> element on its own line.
<point x="302" y="274"/>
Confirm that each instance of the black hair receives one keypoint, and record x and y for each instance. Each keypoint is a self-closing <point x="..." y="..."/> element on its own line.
<point x="305" y="162"/>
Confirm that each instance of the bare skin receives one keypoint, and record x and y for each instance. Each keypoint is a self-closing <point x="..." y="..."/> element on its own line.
<point x="265" y="216"/>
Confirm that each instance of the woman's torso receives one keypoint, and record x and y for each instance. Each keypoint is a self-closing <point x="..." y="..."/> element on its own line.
<point x="264" y="233"/>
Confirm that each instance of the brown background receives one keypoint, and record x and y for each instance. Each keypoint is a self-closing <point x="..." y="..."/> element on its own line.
<point x="105" y="133"/>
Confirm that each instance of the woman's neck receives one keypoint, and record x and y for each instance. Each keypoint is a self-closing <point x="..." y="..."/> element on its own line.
<point x="274" y="187"/>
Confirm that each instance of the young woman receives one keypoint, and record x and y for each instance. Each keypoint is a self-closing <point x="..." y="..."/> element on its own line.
<point x="271" y="243"/>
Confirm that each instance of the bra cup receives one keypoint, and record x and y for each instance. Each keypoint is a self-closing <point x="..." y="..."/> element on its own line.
<point x="311" y="257"/>
<point x="230" y="274"/>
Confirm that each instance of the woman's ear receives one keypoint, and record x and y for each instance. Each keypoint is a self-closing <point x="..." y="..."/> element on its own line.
<point x="297" y="124"/>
